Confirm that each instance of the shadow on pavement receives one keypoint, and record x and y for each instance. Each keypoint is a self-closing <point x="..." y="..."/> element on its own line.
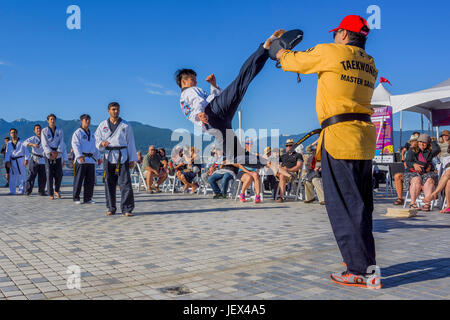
<point x="213" y="210"/>
<point x="415" y="271"/>
<point x="384" y="225"/>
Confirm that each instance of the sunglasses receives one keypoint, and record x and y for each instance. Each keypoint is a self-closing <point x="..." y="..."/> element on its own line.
<point x="336" y="32"/>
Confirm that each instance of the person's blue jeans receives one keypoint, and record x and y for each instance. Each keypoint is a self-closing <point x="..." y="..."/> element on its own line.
<point x="226" y="178"/>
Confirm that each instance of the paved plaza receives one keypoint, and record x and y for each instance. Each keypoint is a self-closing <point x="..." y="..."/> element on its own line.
<point x="191" y="247"/>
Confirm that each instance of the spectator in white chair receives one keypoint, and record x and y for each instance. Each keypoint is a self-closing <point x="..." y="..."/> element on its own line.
<point x="444" y="183"/>
<point x="292" y="162"/>
<point x="420" y="173"/>
<point x="313" y="178"/>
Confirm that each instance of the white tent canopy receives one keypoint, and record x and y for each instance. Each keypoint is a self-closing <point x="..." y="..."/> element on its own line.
<point x="381" y="97"/>
<point x="423" y="101"/>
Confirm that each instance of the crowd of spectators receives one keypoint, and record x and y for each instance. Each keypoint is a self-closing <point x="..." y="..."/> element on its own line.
<point x="426" y="170"/>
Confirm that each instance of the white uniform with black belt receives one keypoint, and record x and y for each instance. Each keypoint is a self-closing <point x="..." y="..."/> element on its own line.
<point x="16" y="154"/>
<point x="36" y="166"/>
<point x="117" y="156"/>
<point x="83" y="145"/>
<point x="53" y="141"/>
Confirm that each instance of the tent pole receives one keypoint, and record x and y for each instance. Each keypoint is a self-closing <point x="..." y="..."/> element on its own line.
<point x="421" y="121"/>
<point x="401" y="121"/>
<point x="437" y="133"/>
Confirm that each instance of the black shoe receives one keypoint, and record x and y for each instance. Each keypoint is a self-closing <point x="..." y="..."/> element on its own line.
<point x="218" y="196"/>
<point x="27" y="194"/>
<point x="43" y="194"/>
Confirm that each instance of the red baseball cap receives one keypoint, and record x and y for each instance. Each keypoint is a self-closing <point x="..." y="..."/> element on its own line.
<point x="354" y="23"/>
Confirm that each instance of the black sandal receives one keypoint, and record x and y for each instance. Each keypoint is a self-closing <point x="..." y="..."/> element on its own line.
<point x="427" y="207"/>
<point x="399" y="202"/>
<point x="414" y="206"/>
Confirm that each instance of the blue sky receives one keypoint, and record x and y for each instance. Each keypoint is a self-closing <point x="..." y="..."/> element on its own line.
<point x="128" y="51"/>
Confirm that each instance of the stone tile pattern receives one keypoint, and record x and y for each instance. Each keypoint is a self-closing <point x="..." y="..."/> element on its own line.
<point x="218" y="249"/>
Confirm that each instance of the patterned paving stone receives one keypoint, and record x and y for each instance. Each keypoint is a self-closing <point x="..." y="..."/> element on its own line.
<point x="217" y="249"/>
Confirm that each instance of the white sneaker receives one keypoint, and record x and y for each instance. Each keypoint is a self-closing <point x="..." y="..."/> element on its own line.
<point x="90" y="202"/>
<point x="77" y="202"/>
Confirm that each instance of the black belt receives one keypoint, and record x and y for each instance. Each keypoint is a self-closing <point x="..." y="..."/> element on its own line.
<point x="119" y="160"/>
<point x="115" y="148"/>
<point x="89" y="155"/>
<point x="50" y="160"/>
<point x="344" y="117"/>
<point x="17" y="162"/>
<point x="37" y="155"/>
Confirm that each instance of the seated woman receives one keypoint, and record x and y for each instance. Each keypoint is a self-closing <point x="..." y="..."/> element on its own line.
<point x="248" y="175"/>
<point x="444" y="183"/>
<point x="187" y="170"/>
<point x="398" y="177"/>
<point x="420" y="175"/>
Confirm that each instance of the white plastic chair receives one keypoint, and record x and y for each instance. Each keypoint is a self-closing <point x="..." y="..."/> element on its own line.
<point x="298" y="184"/>
<point x="138" y="180"/>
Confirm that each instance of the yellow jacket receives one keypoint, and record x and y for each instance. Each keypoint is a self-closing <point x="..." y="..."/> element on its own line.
<point x="347" y="76"/>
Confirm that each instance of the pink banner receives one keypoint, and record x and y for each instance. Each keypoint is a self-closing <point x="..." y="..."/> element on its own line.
<point x="441" y="117"/>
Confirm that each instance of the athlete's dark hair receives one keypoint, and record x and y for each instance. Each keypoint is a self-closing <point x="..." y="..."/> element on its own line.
<point x="37" y="125"/>
<point x="182" y="73"/>
<point x="358" y="37"/>
<point x="113" y="104"/>
<point x="51" y="115"/>
<point x="7" y="138"/>
<point x="85" y="116"/>
<point x="13" y="129"/>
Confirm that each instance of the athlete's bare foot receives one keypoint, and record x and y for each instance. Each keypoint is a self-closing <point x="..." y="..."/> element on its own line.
<point x="275" y="35"/>
<point x="128" y="214"/>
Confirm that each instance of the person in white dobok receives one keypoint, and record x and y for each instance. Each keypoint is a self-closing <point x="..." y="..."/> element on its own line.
<point x="36" y="167"/>
<point x="52" y="139"/>
<point x="115" y="137"/>
<point x="86" y="155"/>
<point x="16" y="158"/>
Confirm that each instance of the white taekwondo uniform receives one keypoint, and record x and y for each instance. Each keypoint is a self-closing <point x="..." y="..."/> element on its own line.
<point x="36" y="166"/>
<point x="194" y="100"/>
<point x="118" y="154"/>
<point x="16" y="154"/>
<point x="83" y="145"/>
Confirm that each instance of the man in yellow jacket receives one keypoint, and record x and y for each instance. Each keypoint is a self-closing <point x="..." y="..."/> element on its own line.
<point x="346" y="79"/>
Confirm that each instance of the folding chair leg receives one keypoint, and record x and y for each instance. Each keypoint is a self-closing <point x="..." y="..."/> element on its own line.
<point x="406" y="199"/>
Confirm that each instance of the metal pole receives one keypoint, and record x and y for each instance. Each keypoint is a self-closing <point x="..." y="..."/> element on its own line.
<point x="401" y="122"/>
<point x="240" y="125"/>
<point x="421" y="121"/>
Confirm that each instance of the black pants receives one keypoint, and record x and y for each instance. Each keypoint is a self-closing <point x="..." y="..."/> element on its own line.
<point x="347" y="185"/>
<point x="126" y="189"/>
<point x="271" y="184"/>
<point x="54" y="173"/>
<point x="36" y="169"/>
<point x="84" y="176"/>
<point x="222" y="108"/>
